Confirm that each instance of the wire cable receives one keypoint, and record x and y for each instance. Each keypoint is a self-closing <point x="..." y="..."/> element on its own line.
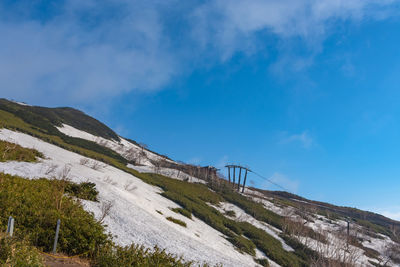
<point x="268" y="180"/>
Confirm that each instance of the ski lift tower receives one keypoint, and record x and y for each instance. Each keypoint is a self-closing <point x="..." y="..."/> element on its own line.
<point x="238" y="175"/>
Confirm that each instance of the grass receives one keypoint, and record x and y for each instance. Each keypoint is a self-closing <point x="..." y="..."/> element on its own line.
<point x="183" y="212"/>
<point x="135" y="256"/>
<point x="177" y="221"/>
<point x="45" y="118"/>
<point x="86" y="190"/>
<point x="263" y="262"/>
<point x="14" y="252"/>
<point x="252" y="208"/>
<point x="246" y="237"/>
<point x="77" y="145"/>
<point x="374" y="227"/>
<point x="36" y="206"/>
<point x="193" y="198"/>
<point x="230" y="213"/>
<point x="13" y="152"/>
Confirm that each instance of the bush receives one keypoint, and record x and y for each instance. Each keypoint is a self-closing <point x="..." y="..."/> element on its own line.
<point x="84" y="190"/>
<point x="230" y="213"/>
<point x="115" y="256"/>
<point x="18" y="254"/>
<point x="256" y="210"/>
<point x="36" y="205"/>
<point x="271" y="247"/>
<point x="194" y="198"/>
<point x="184" y="212"/>
<point x="177" y="221"/>
<point x="263" y="262"/>
<point x="10" y="151"/>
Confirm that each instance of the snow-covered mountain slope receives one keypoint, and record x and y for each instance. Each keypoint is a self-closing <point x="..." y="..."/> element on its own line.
<point x="123" y="147"/>
<point x="144" y="158"/>
<point x="333" y="241"/>
<point x="139" y="209"/>
<point x="134" y="215"/>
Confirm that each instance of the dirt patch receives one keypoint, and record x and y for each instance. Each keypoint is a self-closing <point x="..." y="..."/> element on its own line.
<point x="61" y="261"/>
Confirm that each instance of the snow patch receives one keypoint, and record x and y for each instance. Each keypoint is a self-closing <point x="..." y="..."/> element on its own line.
<point x="133" y="217"/>
<point x="242" y="216"/>
<point x="124" y="147"/>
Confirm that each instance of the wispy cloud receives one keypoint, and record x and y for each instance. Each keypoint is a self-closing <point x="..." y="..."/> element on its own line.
<point x="91" y="50"/>
<point x="303" y="138"/>
<point x="232" y="26"/>
<point x="283" y="181"/>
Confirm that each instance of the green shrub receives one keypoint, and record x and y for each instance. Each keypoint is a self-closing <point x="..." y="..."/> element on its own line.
<point x="10" y="151"/>
<point x="184" y="212"/>
<point x="37" y="204"/>
<point x="243" y="244"/>
<point x="33" y="204"/>
<point x="18" y="254"/>
<point x="271" y="247"/>
<point x="230" y="213"/>
<point x="84" y="190"/>
<point x="177" y="221"/>
<point x="115" y="256"/>
<point x="252" y="208"/>
<point x="45" y="118"/>
<point x="193" y="197"/>
<point x="263" y="262"/>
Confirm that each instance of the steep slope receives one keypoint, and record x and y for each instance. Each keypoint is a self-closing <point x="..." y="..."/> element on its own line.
<point x="48" y="118"/>
<point x="135" y="205"/>
<point x="222" y="226"/>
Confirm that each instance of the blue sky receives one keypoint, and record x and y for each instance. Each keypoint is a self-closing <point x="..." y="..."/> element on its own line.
<point x="304" y="92"/>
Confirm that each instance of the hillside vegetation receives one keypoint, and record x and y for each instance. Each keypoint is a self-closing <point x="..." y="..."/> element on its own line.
<point x="371" y="221"/>
<point x="10" y="151"/>
<point x="37" y="204"/>
<point x="47" y="118"/>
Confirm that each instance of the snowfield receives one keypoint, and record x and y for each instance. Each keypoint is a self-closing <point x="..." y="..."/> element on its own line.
<point x="124" y="147"/>
<point x="133" y="217"/>
<point x="335" y="234"/>
<point x="138" y="211"/>
<point x="172" y="173"/>
<point x="242" y="216"/>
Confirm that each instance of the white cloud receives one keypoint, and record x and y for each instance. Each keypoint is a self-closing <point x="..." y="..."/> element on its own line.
<point x="71" y="57"/>
<point x="303" y="138"/>
<point x="283" y="181"/>
<point x="91" y="50"/>
<point x="296" y="29"/>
